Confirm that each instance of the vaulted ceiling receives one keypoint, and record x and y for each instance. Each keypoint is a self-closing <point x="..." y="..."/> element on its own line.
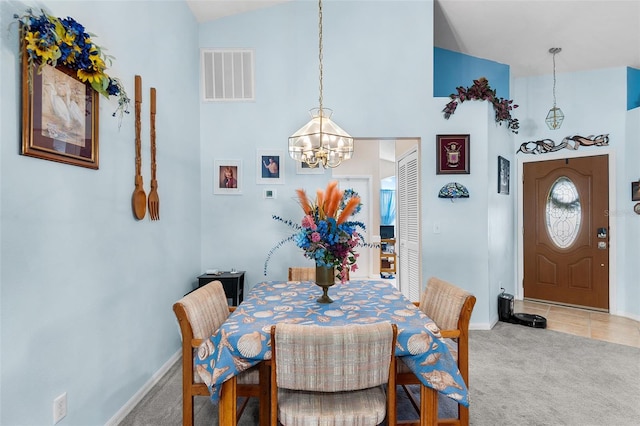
<point x="593" y="34"/>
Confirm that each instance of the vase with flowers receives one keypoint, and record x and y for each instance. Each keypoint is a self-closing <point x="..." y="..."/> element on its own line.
<point x="326" y="234"/>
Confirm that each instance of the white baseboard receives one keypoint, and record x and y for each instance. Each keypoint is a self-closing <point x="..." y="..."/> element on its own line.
<point x="137" y="397"/>
<point x="482" y="325"/>
<point x="628" y="315"/>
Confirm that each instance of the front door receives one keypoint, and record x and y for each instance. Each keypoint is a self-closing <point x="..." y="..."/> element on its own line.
<point x="566" y="231"/>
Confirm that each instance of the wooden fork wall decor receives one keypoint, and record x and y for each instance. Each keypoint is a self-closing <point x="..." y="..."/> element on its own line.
<point x="154" y="200"/>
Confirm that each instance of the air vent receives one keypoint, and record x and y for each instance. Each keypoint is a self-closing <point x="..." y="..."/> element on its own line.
<point x="227" y="75"/>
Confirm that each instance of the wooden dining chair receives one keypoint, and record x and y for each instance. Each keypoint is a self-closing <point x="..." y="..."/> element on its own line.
<point x="333" y="375"/>
<point x="200" y="313"/>
<point x="450" y="307"/>
<point x="302" y="273"/>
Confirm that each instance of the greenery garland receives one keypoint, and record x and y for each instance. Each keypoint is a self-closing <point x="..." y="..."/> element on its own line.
<point x="54" y="41"/>
<point x="481" y="91"/>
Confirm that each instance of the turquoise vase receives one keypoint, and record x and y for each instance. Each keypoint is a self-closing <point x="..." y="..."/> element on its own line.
<point x="325" y="278"/>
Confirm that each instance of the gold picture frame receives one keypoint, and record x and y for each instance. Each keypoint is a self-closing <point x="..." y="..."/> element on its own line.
<point x="59" y="116"/>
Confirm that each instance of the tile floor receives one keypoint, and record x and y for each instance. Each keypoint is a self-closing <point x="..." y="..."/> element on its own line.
<point x="585" y="323"/>
<point x="582" y="322"/>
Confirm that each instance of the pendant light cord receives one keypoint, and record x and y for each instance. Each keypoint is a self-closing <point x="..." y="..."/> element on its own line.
<point x="320" y="51"/>
<point x="554" y="51"/>
<point x="554" y="79"/>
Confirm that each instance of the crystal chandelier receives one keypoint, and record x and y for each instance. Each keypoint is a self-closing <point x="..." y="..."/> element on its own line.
<point x="555" y="116"/>
<point x="321" y="142"/>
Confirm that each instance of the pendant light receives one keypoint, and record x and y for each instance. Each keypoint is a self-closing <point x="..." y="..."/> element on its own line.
<point x="321" y="142"/>
<point x="555" y="116"/>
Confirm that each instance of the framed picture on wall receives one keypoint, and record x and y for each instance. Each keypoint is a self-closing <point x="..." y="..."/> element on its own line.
<point x="504" y="173"/>
<point x="635" y="191"/>
<point x="270" y="168"/>
<point x="59" y="116"/>
<point x="452" y="154"/>
<point x="303" y="168"/>
<point x="227" y="177"/>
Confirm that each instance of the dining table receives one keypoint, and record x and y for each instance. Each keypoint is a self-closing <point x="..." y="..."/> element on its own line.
<point x="243" y="340"/>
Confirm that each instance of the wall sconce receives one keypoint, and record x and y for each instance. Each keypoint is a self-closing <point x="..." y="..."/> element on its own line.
<point x="453" y="190"/>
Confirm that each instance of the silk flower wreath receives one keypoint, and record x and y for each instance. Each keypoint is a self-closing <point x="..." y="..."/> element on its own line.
<point x="325" y="233"/>
<point x="481" y="91"/>
<point x="54" y="41"/>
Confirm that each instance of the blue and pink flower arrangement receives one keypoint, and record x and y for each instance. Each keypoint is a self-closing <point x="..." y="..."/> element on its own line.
<point x="326" y="234"/>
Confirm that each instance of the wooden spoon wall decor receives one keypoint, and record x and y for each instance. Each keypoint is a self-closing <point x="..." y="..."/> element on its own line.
<point x="139" y="198"/>
<point x="154" y="200"/>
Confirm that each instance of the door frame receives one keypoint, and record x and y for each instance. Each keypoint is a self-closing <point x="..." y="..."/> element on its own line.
<point x="613" y="240"/>
<point x="367" y="179"/>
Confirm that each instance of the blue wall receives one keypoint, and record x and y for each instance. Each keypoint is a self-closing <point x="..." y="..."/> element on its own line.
<point x="86" y="289"/>
<point x="453" y="69"/>
<point x="633" y="88"/>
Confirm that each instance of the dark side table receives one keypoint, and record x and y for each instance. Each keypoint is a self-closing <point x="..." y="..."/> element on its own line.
<point x="233" y="284"/>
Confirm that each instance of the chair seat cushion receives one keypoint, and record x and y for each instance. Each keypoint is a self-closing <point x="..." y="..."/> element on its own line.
<point x="354" y="408"/>
<point x="248" y="377"/>
<point x="402" y="367"/>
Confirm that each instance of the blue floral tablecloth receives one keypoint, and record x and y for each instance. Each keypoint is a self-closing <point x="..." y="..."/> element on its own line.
<point x="244" y="338"/>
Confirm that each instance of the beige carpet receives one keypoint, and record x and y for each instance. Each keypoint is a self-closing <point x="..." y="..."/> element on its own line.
<point x="518" y="376"/>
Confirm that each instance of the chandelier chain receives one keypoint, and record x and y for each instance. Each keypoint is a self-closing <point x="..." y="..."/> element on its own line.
<point x="320" y="51"/>
<point x="554" y="79"/>
<point x="321" y="142"/>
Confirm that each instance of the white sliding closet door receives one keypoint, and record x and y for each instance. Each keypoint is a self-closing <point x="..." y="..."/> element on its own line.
<point x="408" y="208"/>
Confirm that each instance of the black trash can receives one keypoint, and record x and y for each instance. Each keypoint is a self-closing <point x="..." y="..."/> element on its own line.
<point x="505" y="307"/>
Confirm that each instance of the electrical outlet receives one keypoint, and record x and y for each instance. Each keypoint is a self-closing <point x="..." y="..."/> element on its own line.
<point x="59" y="408"/>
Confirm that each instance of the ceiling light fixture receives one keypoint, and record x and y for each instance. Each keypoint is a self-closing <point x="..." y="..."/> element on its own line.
<point x="555" y="116"/>
<point x="321" y="142"/>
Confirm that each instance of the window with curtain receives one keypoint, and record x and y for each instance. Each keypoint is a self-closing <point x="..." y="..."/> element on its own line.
<point x="387" y="206"/>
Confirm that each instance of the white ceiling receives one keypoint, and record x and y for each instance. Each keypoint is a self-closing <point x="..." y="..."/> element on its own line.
<point x="593" y="34"/>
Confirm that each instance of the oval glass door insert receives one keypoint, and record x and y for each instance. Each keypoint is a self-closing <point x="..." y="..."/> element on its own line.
<point x="564" y="212"/>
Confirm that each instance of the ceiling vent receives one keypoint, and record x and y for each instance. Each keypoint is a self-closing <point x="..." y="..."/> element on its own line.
<point x="227" y="75"/>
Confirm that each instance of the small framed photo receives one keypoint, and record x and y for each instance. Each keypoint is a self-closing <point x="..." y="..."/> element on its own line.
<point x="227" y="177"/>
<point x="269" y="194"/>
<point x="59" y="116"/>
<point x="303" y="168"/>
<point x="504" y="171"/>
<point x="452" y="154"/>
<point x="635" y="191"/>
<point x="270" y="168"/>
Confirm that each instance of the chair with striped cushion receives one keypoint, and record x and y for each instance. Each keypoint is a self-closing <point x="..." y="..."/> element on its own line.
<point x="333" y="375"/>
<point x="200" y="313"/>
<point x="302" y="273"/>
<point x="450" y="307"/>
